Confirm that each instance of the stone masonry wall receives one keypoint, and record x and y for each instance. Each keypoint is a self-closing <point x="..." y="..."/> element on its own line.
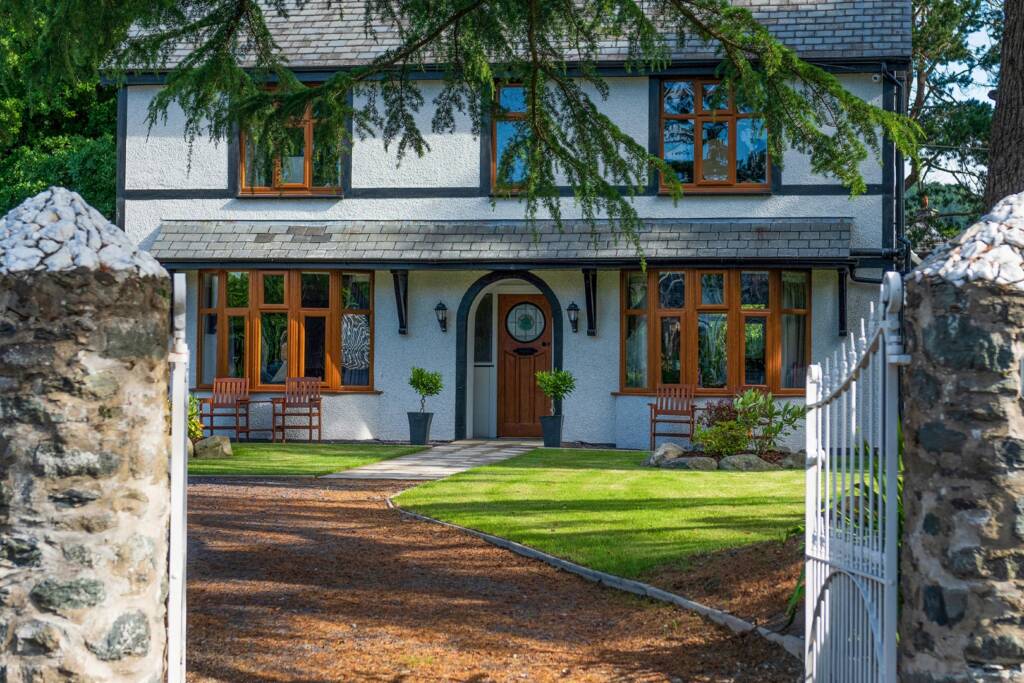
<point x="962" y="562"/>
<point x="84" y="444"/>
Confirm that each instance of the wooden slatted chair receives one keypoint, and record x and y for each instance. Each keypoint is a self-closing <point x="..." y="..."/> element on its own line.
<point x="673" y="405"/>
<point x="301" y="399"/>
<point x="229" y="399"/>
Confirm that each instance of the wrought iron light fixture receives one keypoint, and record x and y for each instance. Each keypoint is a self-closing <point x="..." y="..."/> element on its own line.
<point x="573" y="312"/>
<point x="441" y="311"/>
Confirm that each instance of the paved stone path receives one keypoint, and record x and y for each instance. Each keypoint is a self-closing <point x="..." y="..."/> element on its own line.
<point x="439" y="462"/>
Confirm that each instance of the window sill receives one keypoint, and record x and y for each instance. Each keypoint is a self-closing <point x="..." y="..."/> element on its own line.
<point x="286" y="194"/>
<point x="280" y="390"/>
<point x="700" y="393"/>
<point x="756" y="192"/>
<point x="713" y="393"/>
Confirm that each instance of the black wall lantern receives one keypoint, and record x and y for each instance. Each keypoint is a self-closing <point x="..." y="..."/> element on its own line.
<point x="574" y="316"/>
<point x="441" y="311"/>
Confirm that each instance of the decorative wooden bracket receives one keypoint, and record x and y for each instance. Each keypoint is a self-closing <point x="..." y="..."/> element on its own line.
<point x="401" y="278"/>
<point x="590" y="291"/>
<point x="841" y="295"/>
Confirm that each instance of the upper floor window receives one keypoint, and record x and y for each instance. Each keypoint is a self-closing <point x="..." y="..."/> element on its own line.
<point x="309" y="163"/>
<point x="508" y="121"/>
<point x="710" y="141"/>
<point x="720" y="330"/>
<point x="269" y="325"/>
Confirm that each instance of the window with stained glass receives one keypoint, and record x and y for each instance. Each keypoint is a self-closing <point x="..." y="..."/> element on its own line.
<point x="270" y="325"/>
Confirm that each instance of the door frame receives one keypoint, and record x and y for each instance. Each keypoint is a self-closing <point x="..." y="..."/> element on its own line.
<point x="462" y="357"/>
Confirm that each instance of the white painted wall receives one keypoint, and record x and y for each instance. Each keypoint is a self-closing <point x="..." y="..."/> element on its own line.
<point x="797" y="166"/>
<point x="158" y="158"/>
<point x="594" y="413"/>
<point x="453" y="159"/>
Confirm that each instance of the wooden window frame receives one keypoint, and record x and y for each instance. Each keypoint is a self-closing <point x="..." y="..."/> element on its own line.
<point x="499" y="115"/>
<point x="660" y="313"/>
<point x="699" y="117"/>
<point x="277" y="188"/>
<point x="297" y="315"/>
<point x="736" y="317"/>
<point x="726" y="308"/>
<point x="805" y="312"/>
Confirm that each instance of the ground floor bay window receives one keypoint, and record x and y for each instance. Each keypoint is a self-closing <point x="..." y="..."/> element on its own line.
<point x="720" y="330"/>
<point x="268" y="325"/>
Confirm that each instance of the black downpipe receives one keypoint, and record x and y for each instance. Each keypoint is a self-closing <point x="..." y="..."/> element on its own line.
<point x="899" y="214"/>
<point x="861" y="279"/>
<point x="900" y="255"/>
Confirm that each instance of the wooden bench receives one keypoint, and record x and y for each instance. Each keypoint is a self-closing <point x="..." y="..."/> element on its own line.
<point x="229" y="399"/>
<point x="673" y="405"/>
<point x="301" y="399"/>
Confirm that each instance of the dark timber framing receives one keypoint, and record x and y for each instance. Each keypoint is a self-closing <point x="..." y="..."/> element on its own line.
<point x="590" y="292"/>
<point x="608" y="69"/>
<point x="122" y="136"/>
<point x="462" y="359"/>
<point x="401" y="278"/>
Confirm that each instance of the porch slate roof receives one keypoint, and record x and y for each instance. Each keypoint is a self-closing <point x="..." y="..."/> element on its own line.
<point x="324" y="34"/>
<point x="473" y="242"/>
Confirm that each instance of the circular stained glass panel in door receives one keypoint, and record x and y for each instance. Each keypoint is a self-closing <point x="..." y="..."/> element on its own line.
<point x="525" y="322"/>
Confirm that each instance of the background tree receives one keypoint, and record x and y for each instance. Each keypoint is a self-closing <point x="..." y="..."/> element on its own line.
<point x="946" y="182"/>
<point x="1006" y="161"/>
<point x="550" y="47"/>
<point x="62" y="137"/>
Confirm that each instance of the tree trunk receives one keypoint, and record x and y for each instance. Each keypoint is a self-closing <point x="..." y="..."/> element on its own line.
<point x="1006" y="151"/>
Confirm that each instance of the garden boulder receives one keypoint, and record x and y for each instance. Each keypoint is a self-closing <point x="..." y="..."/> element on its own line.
<point x="794" y="461"/>
<point x="745" y="462"/>
<point x="668" y="452"/>
<point x="213" y="447"/>
<point x="692" y="463"/>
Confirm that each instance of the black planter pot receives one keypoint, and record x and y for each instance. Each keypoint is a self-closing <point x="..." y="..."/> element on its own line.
<point x="551" y="426"/>
<point x="419" y="428"/>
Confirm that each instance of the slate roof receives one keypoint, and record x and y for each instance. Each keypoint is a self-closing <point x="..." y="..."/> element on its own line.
<point x="484" y="242"/>
<point x="322" y="34"/>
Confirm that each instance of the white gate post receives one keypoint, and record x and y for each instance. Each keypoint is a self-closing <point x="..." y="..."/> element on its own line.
<point x="179" y="481"/>
<point x="811" y="499"/>
<point x="892" y="302"/>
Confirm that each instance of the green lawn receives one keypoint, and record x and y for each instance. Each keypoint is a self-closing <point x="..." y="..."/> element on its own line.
<point x="603" y="510"/>
<point x="293" y="459"/>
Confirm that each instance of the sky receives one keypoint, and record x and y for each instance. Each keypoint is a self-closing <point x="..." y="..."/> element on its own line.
<point x="979" y="91"/>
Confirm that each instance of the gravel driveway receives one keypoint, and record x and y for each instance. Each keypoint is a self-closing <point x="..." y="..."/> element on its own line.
<point x="314" y="580"/>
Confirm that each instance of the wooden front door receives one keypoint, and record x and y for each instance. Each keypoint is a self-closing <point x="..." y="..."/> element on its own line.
<point x="524" y="347"/>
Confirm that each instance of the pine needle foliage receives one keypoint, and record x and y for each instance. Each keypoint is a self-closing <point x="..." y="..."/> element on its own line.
<point x="234" y="76"/>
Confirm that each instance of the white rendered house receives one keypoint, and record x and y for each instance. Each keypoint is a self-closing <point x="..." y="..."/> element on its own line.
<point x="343" y="268"/>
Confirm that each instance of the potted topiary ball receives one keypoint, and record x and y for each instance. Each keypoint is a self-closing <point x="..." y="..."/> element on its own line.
<point x="556" y="385"/>
<point x="425" y="383"/>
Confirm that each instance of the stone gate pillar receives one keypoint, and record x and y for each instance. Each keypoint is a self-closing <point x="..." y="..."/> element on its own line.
<point x="84" y="489"/>
<point x="962" y="568"/>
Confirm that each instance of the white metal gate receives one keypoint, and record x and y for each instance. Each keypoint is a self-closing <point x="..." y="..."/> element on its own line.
<point x="179" y="479"/>
<point x="852" y="502"/>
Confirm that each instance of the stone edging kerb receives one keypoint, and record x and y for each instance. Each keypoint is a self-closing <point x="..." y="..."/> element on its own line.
<point x="791" y="644"/>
